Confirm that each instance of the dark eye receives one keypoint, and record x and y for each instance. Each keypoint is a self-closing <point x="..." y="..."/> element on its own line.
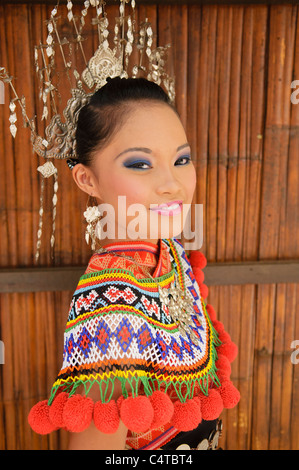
<point x="138" y="164"/>
<point x="184" y="160"/>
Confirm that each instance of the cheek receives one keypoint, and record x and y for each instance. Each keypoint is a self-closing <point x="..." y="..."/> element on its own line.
<point x="117" y="185"/>
<point x="194" y="180"/>
<point x="190" y="182"/>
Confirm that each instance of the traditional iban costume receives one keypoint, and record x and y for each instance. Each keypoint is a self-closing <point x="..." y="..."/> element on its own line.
<point x="174" y="376"/>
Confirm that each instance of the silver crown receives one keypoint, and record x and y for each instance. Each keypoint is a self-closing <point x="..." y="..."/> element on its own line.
<point x="107" y="61"/>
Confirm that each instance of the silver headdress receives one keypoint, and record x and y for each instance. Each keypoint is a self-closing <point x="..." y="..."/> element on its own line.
<point x="107" y="61"/>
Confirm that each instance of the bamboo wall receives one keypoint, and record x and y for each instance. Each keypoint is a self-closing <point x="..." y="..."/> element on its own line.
<point x="234" y="65"/>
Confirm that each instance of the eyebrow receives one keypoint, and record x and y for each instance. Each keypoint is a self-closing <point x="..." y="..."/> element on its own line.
<point x="146" y="150"/>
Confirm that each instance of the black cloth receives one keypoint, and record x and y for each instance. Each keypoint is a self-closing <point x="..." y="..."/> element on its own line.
<point x="192" y="438"/>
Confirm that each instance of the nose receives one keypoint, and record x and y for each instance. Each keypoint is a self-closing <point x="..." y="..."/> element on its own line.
<point x="168" y="182"/>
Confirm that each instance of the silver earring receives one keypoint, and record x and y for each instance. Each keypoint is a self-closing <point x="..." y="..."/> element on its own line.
<point x="92" y="216"/>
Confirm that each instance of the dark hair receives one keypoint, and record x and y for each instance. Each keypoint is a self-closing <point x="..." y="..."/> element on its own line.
<point x="107" y="110"/>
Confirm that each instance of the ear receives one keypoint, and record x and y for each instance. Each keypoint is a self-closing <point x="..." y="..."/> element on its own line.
<point x="86" y="180"/>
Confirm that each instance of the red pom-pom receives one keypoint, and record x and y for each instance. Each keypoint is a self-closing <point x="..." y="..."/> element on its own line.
<point x="39" y="420"/>
<point x="223" y="364"/>
<point x="230" y="394"/>
<point x="224" y="337"/>
<point x="211" y="312"/>
<point x="198" y="274"/>
<point x="186" y="416"/>
<point x="137" y="413"/>
<point x="223" y="368"/>
<point x="230" y="350"/>
<point x="218" y="325"/>
<point x="204" y="290"/>
<point x="106" y="417"/>
<point x="77" y="413"/>
<point x="222" y="375"/>
<point x="56" y="409"/>
<point x="119" y="402"/>
<point x="163" y="408"/>
<point x="197" y="259"/>
<point x="211" y="405"/>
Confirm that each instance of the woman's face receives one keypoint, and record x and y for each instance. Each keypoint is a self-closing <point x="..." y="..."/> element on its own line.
<point x="148" y="163"/>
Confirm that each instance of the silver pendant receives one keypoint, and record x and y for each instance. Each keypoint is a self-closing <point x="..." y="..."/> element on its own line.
<point x="180" y="308"/>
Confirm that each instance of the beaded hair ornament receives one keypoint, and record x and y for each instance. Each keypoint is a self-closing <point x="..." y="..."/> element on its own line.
<point x="107" y="61"/>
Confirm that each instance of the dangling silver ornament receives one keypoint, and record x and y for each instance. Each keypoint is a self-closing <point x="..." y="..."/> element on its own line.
<point x="180" y="307"/>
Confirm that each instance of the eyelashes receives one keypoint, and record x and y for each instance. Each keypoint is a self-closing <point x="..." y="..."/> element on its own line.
<point x="142" y="164"/>
<point x="138" y="164"/>
<point x="184" y="160"/>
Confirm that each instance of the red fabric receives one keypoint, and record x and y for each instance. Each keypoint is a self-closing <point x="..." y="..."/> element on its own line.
<point x="154" y="257"/>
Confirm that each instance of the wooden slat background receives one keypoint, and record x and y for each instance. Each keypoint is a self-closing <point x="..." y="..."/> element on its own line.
<point x="234" y="65"/>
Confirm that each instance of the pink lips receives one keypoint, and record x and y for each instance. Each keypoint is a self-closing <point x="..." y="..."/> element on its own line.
<point x="169" y="208"/>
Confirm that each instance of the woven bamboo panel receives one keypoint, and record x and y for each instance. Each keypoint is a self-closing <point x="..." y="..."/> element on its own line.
<point x="234" y="65"/>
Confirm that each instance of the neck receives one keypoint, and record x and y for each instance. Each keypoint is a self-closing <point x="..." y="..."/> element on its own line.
<point x="106" y="243"/>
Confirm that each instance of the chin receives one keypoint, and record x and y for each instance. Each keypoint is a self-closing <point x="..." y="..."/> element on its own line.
<point x="170" y="227"/>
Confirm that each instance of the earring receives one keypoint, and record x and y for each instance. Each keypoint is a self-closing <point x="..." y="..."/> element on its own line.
<point x="92" y="216"/>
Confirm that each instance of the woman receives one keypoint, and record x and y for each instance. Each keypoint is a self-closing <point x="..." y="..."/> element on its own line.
<point x="145" y="366"/>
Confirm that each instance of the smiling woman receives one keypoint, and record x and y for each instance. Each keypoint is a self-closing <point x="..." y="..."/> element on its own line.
<point x="146" y="364"/>
<point x="143" y="154"/>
